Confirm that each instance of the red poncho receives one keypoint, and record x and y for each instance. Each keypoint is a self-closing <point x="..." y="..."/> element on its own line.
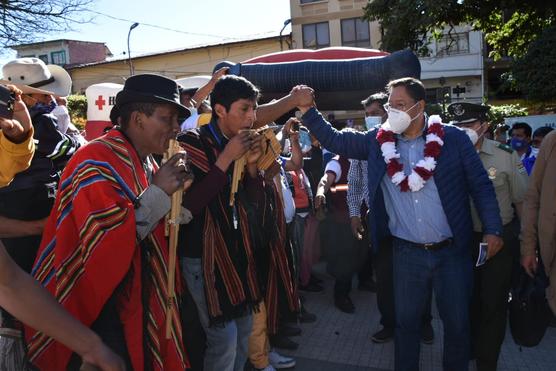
<point x="90" y="247"/>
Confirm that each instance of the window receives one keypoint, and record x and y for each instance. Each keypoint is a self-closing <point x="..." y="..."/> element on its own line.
<point x="316" y="35"/>
<point x="308" y="1"/>
<point x="44" y="58"/>
<point x="454" y="44"/>
<point x="58" y="58"/>
<point x="355" y="32"/>
<point x="438" y="95"/>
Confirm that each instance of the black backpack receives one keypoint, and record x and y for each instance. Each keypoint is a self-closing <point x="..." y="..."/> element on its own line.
<point x="529" y="310"/>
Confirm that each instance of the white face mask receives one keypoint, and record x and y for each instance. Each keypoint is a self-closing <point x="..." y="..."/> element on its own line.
<point x="400" y="120"/>
<point x="63" y="117"/>
<point x="372" y="121"/>
<point x="472" y="134"/>
<point x="304" y="141"/>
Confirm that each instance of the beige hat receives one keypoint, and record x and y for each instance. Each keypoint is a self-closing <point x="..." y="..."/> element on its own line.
<point x="32" y="76"/>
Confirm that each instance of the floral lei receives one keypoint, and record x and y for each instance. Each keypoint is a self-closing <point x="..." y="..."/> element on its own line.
<point x="424" y="169"/>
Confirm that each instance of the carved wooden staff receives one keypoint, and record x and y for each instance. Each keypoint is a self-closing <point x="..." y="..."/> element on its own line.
<point x="173" y="226"/>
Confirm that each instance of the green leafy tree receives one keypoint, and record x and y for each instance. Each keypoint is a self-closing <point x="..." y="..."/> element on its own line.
<point x="509" y="25"/>
<point x="497" y="114"/>
<point x="437" y="109"/>
<point x="535" y="73"/>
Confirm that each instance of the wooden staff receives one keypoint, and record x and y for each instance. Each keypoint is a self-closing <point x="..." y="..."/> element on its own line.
<point x="173" y="226"/>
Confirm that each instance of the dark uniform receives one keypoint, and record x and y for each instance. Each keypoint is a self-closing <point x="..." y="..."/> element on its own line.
<point x="492" y="280"/>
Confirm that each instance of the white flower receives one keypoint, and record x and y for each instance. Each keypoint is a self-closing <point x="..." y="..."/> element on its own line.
<point x="415" y="181"/>
<point x="389" y="151"/>
<point x="428" y="163"/>
<point x="398" y="177"/>
<point x="434" y="138"/>
<point x="434" y="119"/>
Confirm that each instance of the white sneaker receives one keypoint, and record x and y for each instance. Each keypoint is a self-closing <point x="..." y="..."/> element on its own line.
<point x="280" y="362"/>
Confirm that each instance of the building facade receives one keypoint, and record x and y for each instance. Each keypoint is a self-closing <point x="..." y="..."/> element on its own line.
<point x="65" y="53"/>
<point x="174" y="64"/>
<point x="454" y="71"/>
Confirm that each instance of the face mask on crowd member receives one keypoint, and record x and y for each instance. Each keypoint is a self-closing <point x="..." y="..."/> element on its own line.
<point x="304" y="141"/>
<point x="471" y="118"/>
<point x="475" y="131"/>
<point x="375" y="114"/>
<point x="41" y="103"/>
<point x="472" y="134"/>
<point x="521" y="137"/>
<point x="372" y="121"/>
<point x="44" y="107"/>
<point x="519" y="144"/>
<point x="63" y="117"/>
<point x="398" y="119"/>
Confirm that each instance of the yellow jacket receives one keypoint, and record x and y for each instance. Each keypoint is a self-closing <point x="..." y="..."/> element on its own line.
<point x="14" y="158"/>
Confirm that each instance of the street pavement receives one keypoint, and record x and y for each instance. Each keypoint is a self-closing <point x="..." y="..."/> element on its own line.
<point x="342" y="342"/>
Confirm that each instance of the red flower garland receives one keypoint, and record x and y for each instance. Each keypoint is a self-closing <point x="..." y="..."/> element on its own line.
<point x="424" y="169"/>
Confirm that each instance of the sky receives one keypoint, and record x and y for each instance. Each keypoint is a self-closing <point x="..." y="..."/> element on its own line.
<point x="173" y="24"/>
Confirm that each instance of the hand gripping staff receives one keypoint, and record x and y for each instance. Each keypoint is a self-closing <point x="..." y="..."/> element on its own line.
<point x="172" y="229"/>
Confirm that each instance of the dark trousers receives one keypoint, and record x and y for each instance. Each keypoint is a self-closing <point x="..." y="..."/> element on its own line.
<point x="365" y="274"/>
<point x="489" y="303"/>
<point x="385" y="286"/>
<point x="25" y="204"/>
<point x="448" y="273"/>
<point x="194" y="337"/>
<point x="343" y="252"/>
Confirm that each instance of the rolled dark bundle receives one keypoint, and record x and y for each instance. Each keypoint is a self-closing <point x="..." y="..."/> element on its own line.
<point x="339" y="84"/>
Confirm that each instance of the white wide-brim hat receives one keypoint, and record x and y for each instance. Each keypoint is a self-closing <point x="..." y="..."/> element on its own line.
<point x="32" y="76"/>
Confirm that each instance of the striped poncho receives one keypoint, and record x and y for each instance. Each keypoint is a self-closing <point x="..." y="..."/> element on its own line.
<point x="90" y="250"/>
<point x="229" y="270"/>
<point x="243" y="265"/>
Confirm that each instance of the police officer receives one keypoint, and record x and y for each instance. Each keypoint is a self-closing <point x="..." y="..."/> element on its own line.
<point x="492" y="280"/>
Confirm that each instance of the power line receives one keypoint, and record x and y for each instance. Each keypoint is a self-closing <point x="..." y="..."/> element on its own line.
<point x="156" y="26"/>
<point x="180" y="31"/>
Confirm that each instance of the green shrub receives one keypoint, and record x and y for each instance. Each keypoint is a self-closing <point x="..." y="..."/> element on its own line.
<point x="497" y="114"/>
<point x="77" y="107"/>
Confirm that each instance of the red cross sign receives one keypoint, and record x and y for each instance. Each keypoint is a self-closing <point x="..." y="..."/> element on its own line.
<point x="100" y="102"/>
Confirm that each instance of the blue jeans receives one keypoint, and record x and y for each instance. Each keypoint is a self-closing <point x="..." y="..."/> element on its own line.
<point x="227" y="343"/>
<point x="447" y="272"/>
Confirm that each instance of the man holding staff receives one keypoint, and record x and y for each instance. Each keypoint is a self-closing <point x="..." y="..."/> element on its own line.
<point x="104" y="254"/>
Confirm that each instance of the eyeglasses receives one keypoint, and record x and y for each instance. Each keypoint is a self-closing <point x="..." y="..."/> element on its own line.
<point x="401" y="106"/>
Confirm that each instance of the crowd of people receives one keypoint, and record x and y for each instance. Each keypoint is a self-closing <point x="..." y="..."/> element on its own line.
<point x="411" y="208"/>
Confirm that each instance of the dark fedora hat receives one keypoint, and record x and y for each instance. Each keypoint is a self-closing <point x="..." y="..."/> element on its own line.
<point x="149" y="88"/>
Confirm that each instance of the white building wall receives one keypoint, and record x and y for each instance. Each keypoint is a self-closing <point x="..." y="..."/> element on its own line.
<point x="36" y="51"/>
<point x="467" y="64"/>
<point x="463" y="71"/>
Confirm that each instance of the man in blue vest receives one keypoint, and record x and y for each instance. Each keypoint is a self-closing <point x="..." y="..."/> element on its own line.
<point x="421" y="176"/>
